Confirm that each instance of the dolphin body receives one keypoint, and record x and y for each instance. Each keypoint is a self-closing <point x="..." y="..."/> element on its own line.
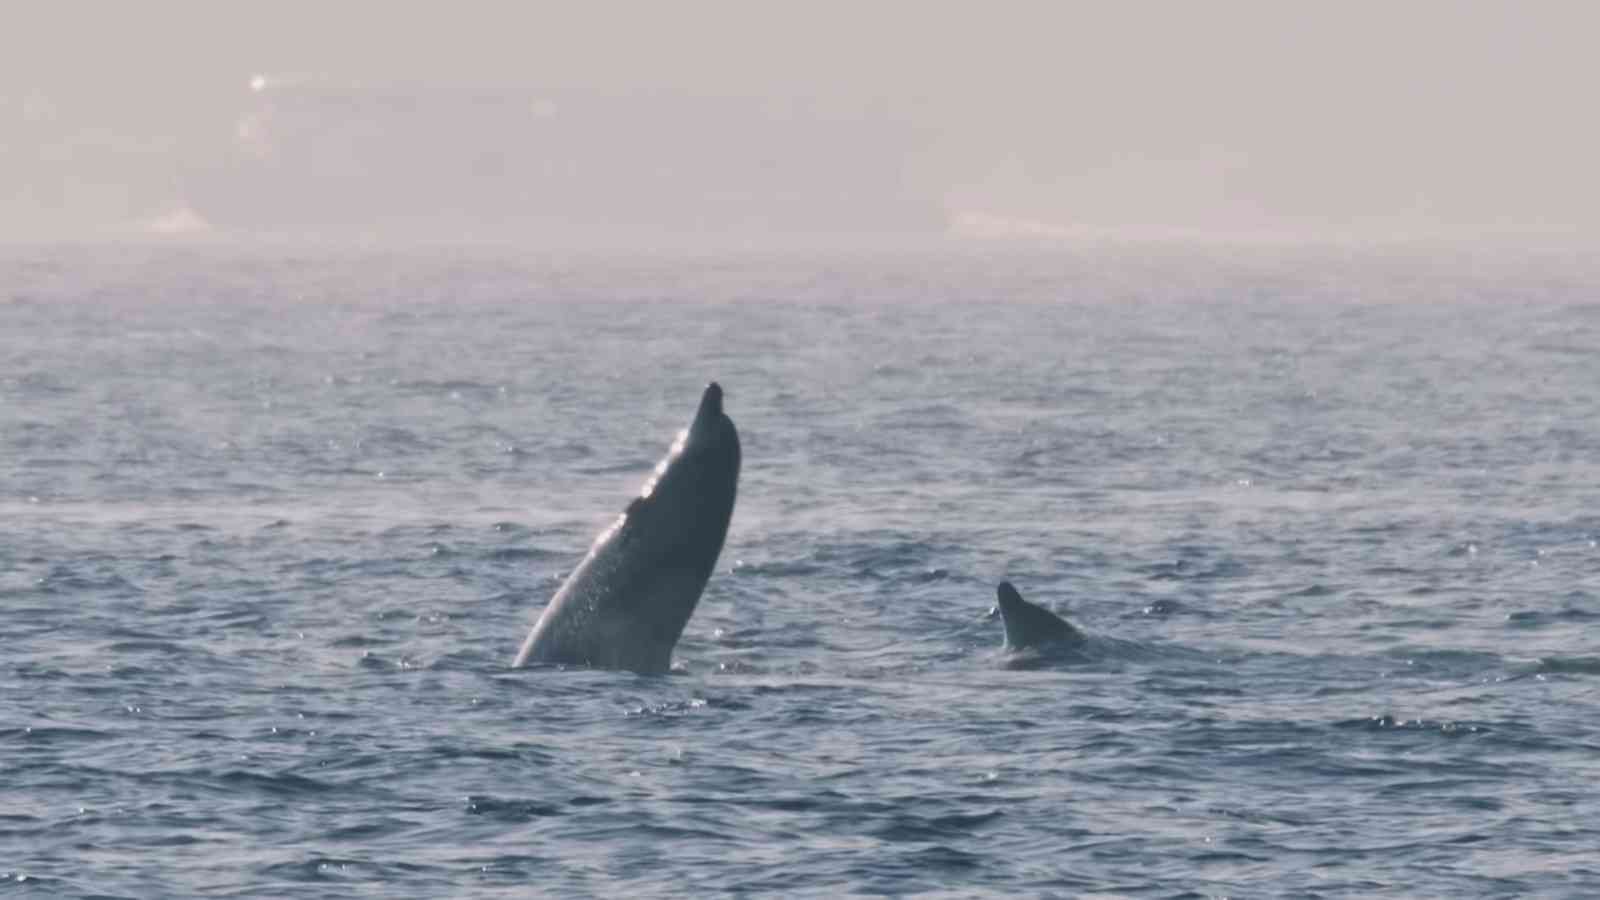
<point x="1030" y="627"/>
<point x="627" y="603"/>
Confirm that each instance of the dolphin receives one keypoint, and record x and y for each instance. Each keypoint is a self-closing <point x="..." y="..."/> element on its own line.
<point x="1032" y="627"/>
<point x="627" y="603"/>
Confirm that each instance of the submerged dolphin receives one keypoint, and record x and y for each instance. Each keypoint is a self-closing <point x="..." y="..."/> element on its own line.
<point x="1032" y="627"/>
<point x="628" y="601"/>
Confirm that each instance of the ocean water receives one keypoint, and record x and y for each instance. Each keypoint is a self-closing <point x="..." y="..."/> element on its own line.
<point x="274" y="521"/>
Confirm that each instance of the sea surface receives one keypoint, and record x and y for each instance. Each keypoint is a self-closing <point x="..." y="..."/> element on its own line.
<point x="274" y="521"/>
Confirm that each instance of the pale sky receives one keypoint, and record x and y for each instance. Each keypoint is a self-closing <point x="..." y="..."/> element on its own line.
<point x="1237" y="117"/>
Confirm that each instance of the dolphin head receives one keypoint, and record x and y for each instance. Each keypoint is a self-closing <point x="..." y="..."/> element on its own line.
<point x="695" y="483"/>
<point x="1028" y="625"/>
<point x="710" y="445"/>
<point x="710" y="423"/>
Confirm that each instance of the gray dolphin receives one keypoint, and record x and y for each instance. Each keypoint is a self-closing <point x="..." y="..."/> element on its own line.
<point x="627" y="603"/>
<point x="1032" y="627"/>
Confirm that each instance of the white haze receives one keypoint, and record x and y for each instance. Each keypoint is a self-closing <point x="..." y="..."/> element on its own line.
<point x="1364" y="120"/>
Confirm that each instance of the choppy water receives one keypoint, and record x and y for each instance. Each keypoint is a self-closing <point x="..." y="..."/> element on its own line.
<point x="275" y="522"/>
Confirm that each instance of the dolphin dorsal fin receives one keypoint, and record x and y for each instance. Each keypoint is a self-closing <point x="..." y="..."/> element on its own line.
<point x="1030" y="625"/>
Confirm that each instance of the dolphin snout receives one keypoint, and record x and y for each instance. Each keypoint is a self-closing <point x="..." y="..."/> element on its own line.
<point x="711" y="400"/>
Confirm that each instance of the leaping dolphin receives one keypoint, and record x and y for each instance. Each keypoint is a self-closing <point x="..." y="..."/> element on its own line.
<point x="1032" y="627"/>
<point x="627" y="603"/>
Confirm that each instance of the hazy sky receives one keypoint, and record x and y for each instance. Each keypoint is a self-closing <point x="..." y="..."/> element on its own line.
<point x="1260" y="117"/>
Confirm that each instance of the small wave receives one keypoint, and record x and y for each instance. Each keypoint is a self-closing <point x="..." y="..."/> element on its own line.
<point x="1563" y="349"/>
<point x="1530" y="618"/>
<point x="1574" y="665"/>
<point x="54" y="734"/>
<point x="40" y="384"/>
<point x="447" y="387"/>
<point x="1226" y="856"/>
<point x="520" y="554"/>
<point x="367" y="831"/>
<point x="361" y="641"/>
<point x="64" y="582"/>
<point x="668" y="708"/>
<point x="164" y="647"/>
<point x="1389" y="723"/>
<point x="932" y="828"/>
<point x="35" y="885"/>
<point x="943" y="858"/>
<point x="243" y="619"/>
<point x="318" y="868"/>
<point x="1168" y="571"/>
<point x="821" y="801"/>
<point x="281" y="785"/>
<point x="1429" y="661"/>
<point x="1222" y="569"/>
<point x="510" y="810"/>
<point x="775" y="569"/>
<point x="392" y="438"/>
<point x="1166" y="607"/>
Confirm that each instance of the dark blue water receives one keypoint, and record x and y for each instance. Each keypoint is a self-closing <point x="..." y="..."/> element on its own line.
<point x="274" y="522"/>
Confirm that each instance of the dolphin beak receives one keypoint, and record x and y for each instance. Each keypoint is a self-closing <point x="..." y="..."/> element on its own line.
<point x="708" y="418"/>
<point x="710" y="402"/>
